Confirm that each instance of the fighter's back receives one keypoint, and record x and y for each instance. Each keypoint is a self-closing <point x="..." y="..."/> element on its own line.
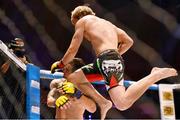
<point x="101" y="33"/>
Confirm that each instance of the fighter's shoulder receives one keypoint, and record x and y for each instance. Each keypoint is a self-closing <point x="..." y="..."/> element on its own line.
<point x="84" y="19"/>
<point x="80" y="21"/>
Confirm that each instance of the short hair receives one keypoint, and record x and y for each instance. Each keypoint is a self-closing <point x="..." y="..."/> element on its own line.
<point x="76" y="64"/>
<point x="81" y="11"/>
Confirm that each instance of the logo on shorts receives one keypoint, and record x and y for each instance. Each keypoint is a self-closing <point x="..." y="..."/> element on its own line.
<point x="112" y="66"/>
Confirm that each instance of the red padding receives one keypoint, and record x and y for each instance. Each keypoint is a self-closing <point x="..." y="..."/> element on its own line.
<point x="94" y="77"/>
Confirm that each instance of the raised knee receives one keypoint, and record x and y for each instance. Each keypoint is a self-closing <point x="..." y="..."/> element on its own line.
<point x="72" y="76"/>
<point x="75" y="77"/>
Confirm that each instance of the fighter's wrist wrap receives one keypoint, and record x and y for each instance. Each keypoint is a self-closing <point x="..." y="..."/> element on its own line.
<point x="61" y="64"/>
<point x="77" y="94"/>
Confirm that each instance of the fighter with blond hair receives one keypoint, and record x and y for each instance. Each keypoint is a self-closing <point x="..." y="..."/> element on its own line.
<point x="109" y="43"/>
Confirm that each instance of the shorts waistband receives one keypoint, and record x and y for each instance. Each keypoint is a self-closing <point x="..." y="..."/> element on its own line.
<point x="107" y="51"/>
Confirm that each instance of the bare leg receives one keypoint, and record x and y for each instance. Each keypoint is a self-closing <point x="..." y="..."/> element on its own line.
<point x="126" y="98"/>
<point x="79" y="80"/>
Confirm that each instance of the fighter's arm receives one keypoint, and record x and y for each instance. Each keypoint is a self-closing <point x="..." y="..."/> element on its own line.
<point x="59" y="94"/>
<point x="52" y="95"/>
<point x="75" y="43"/>
<point x="50" y="98"/>
<point x="125" y="41"/>
<point x="88" y="103"/>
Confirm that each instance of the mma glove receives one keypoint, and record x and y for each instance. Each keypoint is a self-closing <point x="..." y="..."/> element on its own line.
<point x="57" y="65"/>
<point x="68" y="87"/>
<point x="61" y="101"/>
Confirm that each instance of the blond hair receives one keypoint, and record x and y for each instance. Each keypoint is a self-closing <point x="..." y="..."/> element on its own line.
<point x="81" y="11"/>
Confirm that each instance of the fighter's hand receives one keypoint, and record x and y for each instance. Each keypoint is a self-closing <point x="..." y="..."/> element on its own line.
<point x="68" y="87"/>
<point x="57" y="65"/>
<point x="62" y="100"/>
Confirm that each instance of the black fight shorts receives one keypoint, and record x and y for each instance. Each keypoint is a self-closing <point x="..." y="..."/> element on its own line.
<point x="110" y="65"/>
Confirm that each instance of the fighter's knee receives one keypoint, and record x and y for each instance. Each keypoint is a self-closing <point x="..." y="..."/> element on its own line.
<point x="74" y="76"/>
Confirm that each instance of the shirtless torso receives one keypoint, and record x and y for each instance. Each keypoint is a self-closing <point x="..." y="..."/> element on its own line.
<point x="76" y="110"/>
<point x="102" y="34"/>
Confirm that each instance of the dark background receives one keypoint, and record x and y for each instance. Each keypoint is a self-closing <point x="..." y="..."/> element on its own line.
<point x="46" y="27"/>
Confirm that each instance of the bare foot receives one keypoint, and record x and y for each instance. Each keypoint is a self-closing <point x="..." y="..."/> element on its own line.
<point x="162" y="73"/>
<point x="104" y="109"/>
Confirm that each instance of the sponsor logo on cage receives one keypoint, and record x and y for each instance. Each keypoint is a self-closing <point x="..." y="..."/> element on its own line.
<point x="168" y="110"/>
<point x="167" y="96"/>
<point x="35" y="109"/>
<point x="35" y="84"/>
